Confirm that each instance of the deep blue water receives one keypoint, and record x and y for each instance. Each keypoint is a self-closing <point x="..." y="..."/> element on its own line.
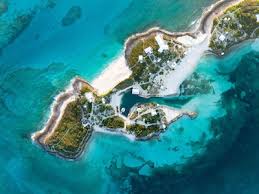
<point x="215" y="153"/>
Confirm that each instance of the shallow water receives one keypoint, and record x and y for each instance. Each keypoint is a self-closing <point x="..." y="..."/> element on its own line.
<point x="129" y="100"/>
<point x="229" y="164"/>
<point x="42" y="60"/>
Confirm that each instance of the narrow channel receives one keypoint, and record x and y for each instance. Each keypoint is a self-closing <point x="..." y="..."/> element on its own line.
<point x="129" y="100"/>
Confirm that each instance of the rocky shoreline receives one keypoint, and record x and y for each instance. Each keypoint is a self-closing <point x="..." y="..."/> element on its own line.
<point x="57" y="111"/>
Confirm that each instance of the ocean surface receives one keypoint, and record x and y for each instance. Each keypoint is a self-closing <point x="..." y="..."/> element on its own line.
<point x="215" y="153"/>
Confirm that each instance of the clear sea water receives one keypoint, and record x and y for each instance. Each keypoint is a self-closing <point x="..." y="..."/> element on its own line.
<point x="190" y="157"/>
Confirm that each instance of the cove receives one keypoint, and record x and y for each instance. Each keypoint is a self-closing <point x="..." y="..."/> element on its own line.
<point x="129" y="100"/>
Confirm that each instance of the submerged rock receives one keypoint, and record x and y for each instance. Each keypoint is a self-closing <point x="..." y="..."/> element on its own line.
<point x="73" y="14"/>
<point x="51" y="4"/>
<point x="230" y="153"/>
<point x="3" y="7"/>
<point x="11" y="30"/>
<point x="196" y="84"/>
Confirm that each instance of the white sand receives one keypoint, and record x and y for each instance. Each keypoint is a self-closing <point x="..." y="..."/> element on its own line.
<point x="187" y="66"/>
<point x="116" y="100"/>
<point x="190" y="41"/>
<point x="115" y="73"/>
<point x="116" y="132"/>
<point x="197" y="47"/>
<point x="171" y="114"/>
<point x="118" y="71"/>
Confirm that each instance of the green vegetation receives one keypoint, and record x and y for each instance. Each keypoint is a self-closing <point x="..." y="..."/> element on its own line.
<point x="154" y="64"/>
<point x="85" y="89"/>
<point x="152" y="123"/>
<point x="151" y="119"/>
<point x="236" y="24"/>
<point x="142" y="131"/>
<point x="87" y="108"/>
<point x="140" y="71"/>
<point x="138" y="49"/>
<point x="113" y="122"/>
<point x="69" y="135"/>
<point x="126" y="83"/>
<point x="246" y="12"/>
<point x="105" y="107"/>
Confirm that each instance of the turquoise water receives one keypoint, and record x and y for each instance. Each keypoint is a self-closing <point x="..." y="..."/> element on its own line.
<point x="34" y="70"/>
<point x="129" y="100"/>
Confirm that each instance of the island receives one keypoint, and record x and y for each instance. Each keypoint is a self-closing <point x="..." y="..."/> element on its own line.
<point x="156" y="63"/>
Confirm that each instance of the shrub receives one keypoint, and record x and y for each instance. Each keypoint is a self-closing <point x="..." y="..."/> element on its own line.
<point x="113" y="122"/>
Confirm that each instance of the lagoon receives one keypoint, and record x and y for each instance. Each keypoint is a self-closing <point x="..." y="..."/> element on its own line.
<point x="129" y="100"/>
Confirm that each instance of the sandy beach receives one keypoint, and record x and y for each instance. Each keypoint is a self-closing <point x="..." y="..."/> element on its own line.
<point x="172" y="114"/>
<point x="117" y="132"/>
<point x="115" y="73"/>
<point x="118" y="70"/>
<point x="174" y="79"/>
<point x="196" y="48"/>
<point x="197" y="41"/>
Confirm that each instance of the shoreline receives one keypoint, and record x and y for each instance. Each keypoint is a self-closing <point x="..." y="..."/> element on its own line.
<point x="172" y="115"/>
<point x="208" y="14"/>
<point x="202" y="28"/>
<point x="57" y="110"/>
<point x="118" y="70"/>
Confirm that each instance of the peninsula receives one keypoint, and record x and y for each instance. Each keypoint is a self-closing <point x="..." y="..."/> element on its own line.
<point x="155" y="64"/>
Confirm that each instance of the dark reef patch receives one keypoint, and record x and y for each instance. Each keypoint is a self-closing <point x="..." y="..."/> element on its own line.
<point x="51" y="4"/>
<point x="230" y="164"/>
<point x="196" y="84"/>
<point x="3" y="6"/>
<point x="11" y="30"/>
<point x="73" y="14"/>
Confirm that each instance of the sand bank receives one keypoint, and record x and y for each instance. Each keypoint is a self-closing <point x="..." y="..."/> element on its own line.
<point x="175" y="78"/>
<point x="115" y="73"/>
<point x="173" y="115"/>
<point x="118" y="132"/>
